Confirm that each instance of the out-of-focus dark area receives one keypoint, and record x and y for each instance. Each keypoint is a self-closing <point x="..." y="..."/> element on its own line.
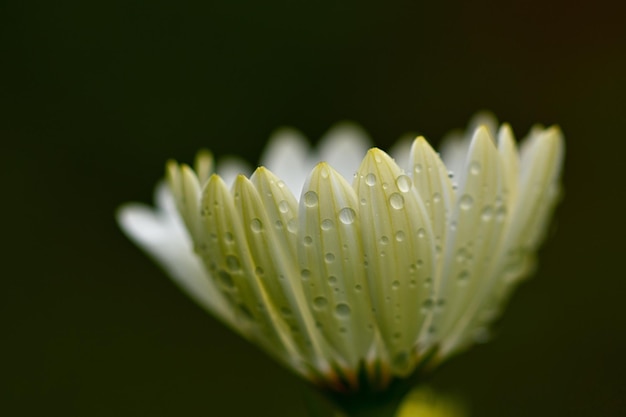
<point x="95" y="96"/>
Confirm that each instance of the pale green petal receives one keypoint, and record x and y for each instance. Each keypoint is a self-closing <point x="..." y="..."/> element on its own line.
<point x="228" y="258"/>
<point x="398" y="245"/>
<point x="332" y="266"/>
<point x="475" y="232"/>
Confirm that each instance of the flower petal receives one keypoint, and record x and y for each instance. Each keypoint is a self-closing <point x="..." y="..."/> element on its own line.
<point x="398" y="245"/>
<point x="162" y="235"/>
<point x="331" y="260"/>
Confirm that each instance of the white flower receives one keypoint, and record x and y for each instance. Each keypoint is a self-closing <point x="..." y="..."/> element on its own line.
<point x="363" y="281"/>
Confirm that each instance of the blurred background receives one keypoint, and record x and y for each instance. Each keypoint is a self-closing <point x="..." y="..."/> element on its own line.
<point x="96" y="96"/>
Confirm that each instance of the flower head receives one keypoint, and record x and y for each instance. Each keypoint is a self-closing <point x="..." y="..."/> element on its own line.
<point x="357" y="269"/>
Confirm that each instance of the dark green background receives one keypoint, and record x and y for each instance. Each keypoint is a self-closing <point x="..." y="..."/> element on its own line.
<point x="96" y="95"/>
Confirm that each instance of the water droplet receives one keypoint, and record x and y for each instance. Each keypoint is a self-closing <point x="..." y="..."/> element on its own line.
<point x="401" y="360"/>
<point x="421" y="233"/>
<point x="384" y="240"/>
<point x="324" y="172"/>
<point x="283" y="206"/>
<point x="227" y="236"/>
<point x="404" y="183"/>
<point x="259" y="271"/>
<point x="500" y="214"/>
<point x="232" y="262"/>
<point x="363" y="201"/>
<point x="327" y="224"/>
<point x="475" y="168"/>
<point x="428" y="304"/>
<point x="305" y="274"/>
<point x="419" y="263"/>
<point x="396" y="201"/>
<point x="370" y="179"/>
<point x="347" y="215"/>
<point x="417" y="168"/>
<point x="412" y="283"/>
<point x="358" y="287"/>
<point x="320" y="302"/>
<point x="397" y="335"/>
<point x="400" y="236"/>
<point x="436" y="198"/>
<point x="487" y="214"/>
<point x="292" y="225"/>
<point x="461" y="255"/>
<point x="281" y="184"/>
<point x="395" y="285"/>
<point x="310" y="199"/>
<point x="329" y="257"/>
<point x="463" y="276"/>
<point x="308" y="240"/>
<point x="226" y="279"/>
<point x="256" y="225"/>
<point x="466" y="202"/>
<point x="278" y="224"/>
<point x="342" y="310"/>
<point x="332" y="279"/>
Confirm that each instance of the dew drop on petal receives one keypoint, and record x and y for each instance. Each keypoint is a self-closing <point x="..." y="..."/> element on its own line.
<point x="463" y="276"/>
<point x="475" y="168"/>
<point x="436" y="198"/>
<point x="283" y="206"/>
<point x="466" y="202"/>
<point x="310" y="199"/>
<point x="404" y="183"/>
<point x="225" y="279"/>
<point x="232" y="262"/>
<point x="347" y="215"/>
<point x="395" y="285"/>
<point x="259" y="271"/>
<point x="320" y="302"/>
<point x="396" y="201"/>
<point x="305" y="274"/>
<point x="329" y="257"/>
<point x="487" y="214"/>
<point x="421" y="233"/>
<point x="342" y="310"/>
<point x="227" y="236"/>
<point x="292" y="225"/>
<point x="401" y="360"/>
<point x="384" y="240"/>
<point x="400" y="236"/>
<point x="332" y="279"/>
<point x="417" y="168"/>
<point x="256" y="225"/>
<point x="370" y="179"/>
<point x="327" y="224"/>
<point x="500" y="214"/>
<point x="308" y="240"/>
<point x="324" y="172"/>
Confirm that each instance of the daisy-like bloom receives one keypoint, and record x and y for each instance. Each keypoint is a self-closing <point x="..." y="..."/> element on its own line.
<point x="357" y="269"/>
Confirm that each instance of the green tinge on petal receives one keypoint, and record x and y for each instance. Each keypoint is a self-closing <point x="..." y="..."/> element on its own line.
<point x="275" y="268"/>
<point x="475" y="231"/>
<point x="332" y="270"/>
<point x="398" y="246"/>
<point x="229" y="260"/>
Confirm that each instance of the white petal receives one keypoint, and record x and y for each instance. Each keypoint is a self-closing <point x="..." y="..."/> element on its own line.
<point x="286" y="155"/>
<point x="343" y="147"/>
<point x="398" y="244"/>
<point x="162" y="235"/>
<point x="230" y="167"/>
<point x="331" y="261"/>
